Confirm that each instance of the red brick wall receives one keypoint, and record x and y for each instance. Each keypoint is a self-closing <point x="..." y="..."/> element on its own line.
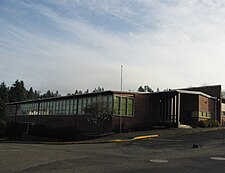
<point x="203" y="104"/>
<point x="207" y="105"/>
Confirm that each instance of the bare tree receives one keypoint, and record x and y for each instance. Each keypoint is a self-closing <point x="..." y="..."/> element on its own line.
<point x="98" y="113"/>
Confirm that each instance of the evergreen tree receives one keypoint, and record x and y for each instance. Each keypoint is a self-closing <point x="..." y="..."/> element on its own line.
<point x="36" y="94"/>
<point x="4" y="92"/>
<point x="99" y="89"/>
<point x="141" y="89"/>
<point x="2" y="108"/>
<point x="30" y="94"/>
<point x="57" y="94"/>
<point x="76" y="92"/>
<point x="148" y="89"/>
<point x="3" y="99"/>
<point x="17" y="92"/>
<point x="49" y="94"/>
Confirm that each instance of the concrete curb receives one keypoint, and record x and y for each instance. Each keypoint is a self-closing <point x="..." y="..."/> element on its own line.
<point x="99" y="142"/>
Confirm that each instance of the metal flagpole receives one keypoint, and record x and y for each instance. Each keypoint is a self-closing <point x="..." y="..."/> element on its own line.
<point x="121" y="89"/>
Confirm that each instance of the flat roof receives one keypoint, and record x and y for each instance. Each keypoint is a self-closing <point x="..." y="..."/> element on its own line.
<point x="76" y="95"/>
<point x="195" y="92"/>
<point x="184" y="92"/>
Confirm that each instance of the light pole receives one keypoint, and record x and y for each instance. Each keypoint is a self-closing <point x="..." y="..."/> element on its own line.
<point x="121" y="89"/>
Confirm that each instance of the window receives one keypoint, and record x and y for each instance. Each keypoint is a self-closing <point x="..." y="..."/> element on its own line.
<point x="79" y="106"/>
<point x="105" y="102"/>
<point x="89" y="101"/>
<point x="53" y="108"/>
<point x="11" y="109"/>
<point x="93" y="100"/>
<point x="56" y="107"/>
<point x="60" y="107"/>
<point x="74" y="112"/>
<point x="130" y="107"/>
<point x="124" y="106"/>
<point x="68" y="107"/>
<point x="110" y="103"/>
<point x="127" y="106"/>
<point x="117" y="105"/>
<point x="204" y="114"/>
<point x="209" y="114"/>
<point x="50" y="108"/>
<point x="63" y="111"/>
<point x="84" y="102"/>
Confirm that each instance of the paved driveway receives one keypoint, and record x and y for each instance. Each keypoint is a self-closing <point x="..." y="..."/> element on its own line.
<point x="164" y="154"/>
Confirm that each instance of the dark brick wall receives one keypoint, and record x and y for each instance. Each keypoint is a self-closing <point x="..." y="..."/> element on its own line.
<point x="214" y="91"/>
<point x="141" y="107"/>
<point x="188" y="105"/>
<point x="128" y="123"/>
<point x="79" y="122"/>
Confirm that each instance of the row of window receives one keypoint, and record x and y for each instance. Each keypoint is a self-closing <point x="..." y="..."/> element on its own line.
<point x="60" y="107"/>
<point x="122" y="105"/>
<point x="205" y="114"/>
<point x="201" y="114"/>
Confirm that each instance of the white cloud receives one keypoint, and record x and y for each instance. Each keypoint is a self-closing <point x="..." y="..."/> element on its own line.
<point x="184" y="46"/>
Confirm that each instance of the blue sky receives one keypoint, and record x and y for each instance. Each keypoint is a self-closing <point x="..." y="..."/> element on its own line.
<point x="80" y="44"/>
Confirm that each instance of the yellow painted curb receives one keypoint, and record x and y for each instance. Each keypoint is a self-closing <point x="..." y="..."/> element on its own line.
<point x="98" y="142"/>
<point x="145" y="137"/>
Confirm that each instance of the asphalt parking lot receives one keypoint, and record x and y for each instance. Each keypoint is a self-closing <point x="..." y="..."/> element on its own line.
<point x="195" y="152"/>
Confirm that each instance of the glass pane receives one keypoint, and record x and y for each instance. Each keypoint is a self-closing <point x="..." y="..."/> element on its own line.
<point x="130" y="106"/>
<point x="74" y="107"/>
<point x="53" y="108"/>
<point x="88" y="101"/>
<point x="117" y="105"/>
<point x="67" y="107"/>
<point x="79" y="106"/>
<point x="110" y="103"/>
<point x="84" y="106"/>
<point x="124" y="106"/>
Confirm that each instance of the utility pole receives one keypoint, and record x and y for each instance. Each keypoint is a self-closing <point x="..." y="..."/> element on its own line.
<point x="121" y="89"/>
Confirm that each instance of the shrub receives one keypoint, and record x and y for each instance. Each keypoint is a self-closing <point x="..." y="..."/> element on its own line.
<point x="209" y="123"/>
